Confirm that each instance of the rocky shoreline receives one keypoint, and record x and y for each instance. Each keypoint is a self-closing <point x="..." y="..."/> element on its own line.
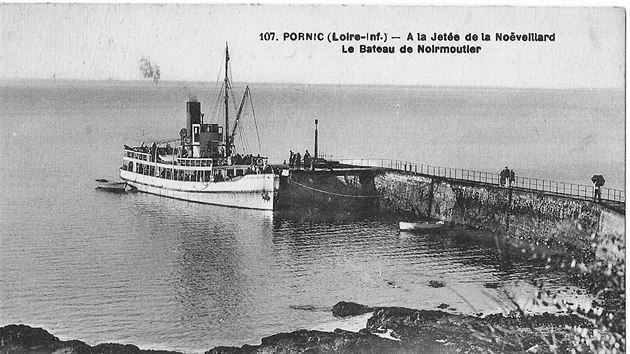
<point x="413" y="331"/>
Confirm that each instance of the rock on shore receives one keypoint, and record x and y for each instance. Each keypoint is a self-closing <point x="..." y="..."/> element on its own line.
<point x="417" y="331"/>
<point x="345" y="309"/>
<point x="26" y="339"/>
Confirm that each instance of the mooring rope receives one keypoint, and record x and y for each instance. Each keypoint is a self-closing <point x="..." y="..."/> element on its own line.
<point x="355" y="196"/>
<point x="331" y="193"/>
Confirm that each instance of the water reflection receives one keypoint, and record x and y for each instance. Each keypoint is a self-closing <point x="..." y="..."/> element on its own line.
<point x="168" y="274"/>
<point x="222" y="256"/>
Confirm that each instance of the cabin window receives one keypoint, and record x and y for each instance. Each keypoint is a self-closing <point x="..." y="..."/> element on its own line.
<point x="195" y="134"/>
<point x="239" y="172"/>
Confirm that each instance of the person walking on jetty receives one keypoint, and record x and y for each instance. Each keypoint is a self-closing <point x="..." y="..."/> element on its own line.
<point x="598" y="182"/>
<point x="503" y="176"/>
<point x="598" y="194"/>
<point x="512" y="178"/>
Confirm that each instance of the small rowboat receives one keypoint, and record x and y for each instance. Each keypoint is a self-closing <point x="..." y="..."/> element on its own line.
<point x="112" y="187"/>
<point x="421" y="225"/>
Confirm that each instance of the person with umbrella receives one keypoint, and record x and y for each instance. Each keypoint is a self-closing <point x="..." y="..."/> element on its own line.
<point x="598" y="182"/>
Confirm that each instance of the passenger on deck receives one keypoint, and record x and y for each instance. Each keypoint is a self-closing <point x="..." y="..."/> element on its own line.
<point x="153" y="151"/>
<point x="238" y="160"/>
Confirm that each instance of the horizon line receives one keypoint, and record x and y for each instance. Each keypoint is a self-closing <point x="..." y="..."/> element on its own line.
<point x="170" y="82"/>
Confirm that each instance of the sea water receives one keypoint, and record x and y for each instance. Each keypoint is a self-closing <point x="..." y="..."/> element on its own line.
<point x="166" y="274"/>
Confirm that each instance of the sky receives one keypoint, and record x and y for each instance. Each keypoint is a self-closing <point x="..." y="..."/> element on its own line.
<point x="107" y="41"/>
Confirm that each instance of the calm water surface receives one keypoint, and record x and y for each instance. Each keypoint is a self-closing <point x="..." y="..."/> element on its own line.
<point x="166" y="274"/>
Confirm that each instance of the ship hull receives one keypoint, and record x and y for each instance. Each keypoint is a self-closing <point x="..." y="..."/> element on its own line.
<point x="255" y="191"/>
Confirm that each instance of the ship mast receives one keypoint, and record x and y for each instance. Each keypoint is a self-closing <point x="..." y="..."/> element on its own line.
<point x="225" y="132"/>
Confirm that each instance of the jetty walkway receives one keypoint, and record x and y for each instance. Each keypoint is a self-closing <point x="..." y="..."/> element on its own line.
<point x="612" y="198"/>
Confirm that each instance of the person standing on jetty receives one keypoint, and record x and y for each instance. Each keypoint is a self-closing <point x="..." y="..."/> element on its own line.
<point x="512" y="178"/>
<point x="291" y="159"/>
<point x="298" y="160"/>
<point x="307" y="160"/>
<point x="503" y="176"/>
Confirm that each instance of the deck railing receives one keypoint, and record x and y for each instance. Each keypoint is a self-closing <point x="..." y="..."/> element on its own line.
<point x="196" y="162"/>
<point x="553" y="187"/>
<point x="137" y="155"/>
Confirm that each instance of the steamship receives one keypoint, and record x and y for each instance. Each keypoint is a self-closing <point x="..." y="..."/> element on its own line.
<point x="201" y="165"/>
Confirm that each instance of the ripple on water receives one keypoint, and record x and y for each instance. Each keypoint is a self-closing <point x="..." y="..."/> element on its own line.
<point x="177" y="270"/>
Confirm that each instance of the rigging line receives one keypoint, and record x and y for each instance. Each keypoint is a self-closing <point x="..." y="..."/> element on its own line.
<point x="244" y="140"/>
<point x="216" y="83"/>
<point x="217" y="105"/>
<point x="331" y="193"/>
<point x="243" y="135"/>
<point x="243" y="148"/>
<point x="251" y="104"/>
<point x="241" y="140"/>
<point x="230" y="70"/>
<point x="233" y="95"/>
<point x="230" y="93"/>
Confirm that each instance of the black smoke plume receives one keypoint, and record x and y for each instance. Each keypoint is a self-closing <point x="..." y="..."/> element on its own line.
<point x="149" y="69"/>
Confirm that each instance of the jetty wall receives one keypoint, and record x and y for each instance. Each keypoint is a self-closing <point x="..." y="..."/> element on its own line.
<point x="525" y="214"/>
<point x="327" y="190"/>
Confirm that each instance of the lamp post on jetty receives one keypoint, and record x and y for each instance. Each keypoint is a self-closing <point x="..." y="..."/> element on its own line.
<point x="315" y="157"/>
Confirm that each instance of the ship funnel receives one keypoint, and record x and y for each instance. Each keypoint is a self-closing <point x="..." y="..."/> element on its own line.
<point x="193" y="116"/>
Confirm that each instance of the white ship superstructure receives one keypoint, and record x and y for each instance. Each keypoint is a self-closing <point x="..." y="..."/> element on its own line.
<point x="201" y="165"/>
